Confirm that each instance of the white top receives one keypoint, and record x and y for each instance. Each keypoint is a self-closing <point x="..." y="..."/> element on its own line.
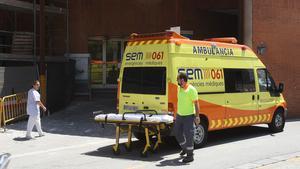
<point x="33" y="109"/>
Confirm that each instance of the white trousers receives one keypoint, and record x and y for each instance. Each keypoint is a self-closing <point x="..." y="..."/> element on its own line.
<point x="34" y="121"/>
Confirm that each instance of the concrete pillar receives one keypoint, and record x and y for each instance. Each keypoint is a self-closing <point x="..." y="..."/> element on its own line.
<point x="247" y="26"/>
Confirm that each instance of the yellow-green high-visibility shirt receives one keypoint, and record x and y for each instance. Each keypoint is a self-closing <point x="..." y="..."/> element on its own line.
<point x="186" y="99"/>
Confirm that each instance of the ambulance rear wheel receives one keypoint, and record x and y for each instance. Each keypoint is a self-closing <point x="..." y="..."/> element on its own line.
<point x="278" y="121"/>
<point x="200" y="134"/>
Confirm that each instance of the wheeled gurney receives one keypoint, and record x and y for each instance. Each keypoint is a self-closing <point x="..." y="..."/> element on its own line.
<point x="148" y="120"/>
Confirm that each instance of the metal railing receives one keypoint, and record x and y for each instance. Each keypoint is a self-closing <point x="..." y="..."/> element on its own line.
<point x="12" y="107"/>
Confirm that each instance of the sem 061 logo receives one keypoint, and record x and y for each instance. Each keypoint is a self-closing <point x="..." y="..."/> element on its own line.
<point x="131" y="56"/>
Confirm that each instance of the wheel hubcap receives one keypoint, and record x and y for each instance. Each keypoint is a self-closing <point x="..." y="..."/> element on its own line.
<point x="198" y="134"/>
<point x="278" y="120"/>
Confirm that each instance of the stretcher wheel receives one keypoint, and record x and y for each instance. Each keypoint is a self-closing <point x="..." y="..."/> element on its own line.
<point x="128" y="148"/>
<point x="117" y="151"/>
<point x="144" y="154"/>
<point x="153" y="149"/>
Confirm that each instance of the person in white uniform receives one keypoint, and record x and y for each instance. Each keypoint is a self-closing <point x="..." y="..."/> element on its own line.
<point x="33" y="110"/>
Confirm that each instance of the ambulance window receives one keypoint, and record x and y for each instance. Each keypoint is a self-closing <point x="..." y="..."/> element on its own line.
<point x="144" y="80"/>
<point x="265" y="81"/>
<point x="262" y="79"/>
<point x="271" y="82"/>
<point x="239" y="80"/>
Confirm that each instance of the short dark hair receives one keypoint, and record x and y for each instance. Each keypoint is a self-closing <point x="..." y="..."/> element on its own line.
<point x="183" y="76"/>
<point x="35" y="82"/>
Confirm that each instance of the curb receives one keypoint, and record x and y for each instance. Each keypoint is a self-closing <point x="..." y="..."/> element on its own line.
<point x="268" y="161"/>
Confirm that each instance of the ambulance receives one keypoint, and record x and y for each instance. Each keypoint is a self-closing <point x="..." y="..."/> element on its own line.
<point x="234" y="87"/>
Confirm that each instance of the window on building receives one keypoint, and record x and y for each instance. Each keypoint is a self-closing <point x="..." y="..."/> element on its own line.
<point x="239" y="80"/>
<point x="5" y="42"/>
<point x="114" y="52"/>
<point x="95" y="49"/>
<point x="144" y="80"/>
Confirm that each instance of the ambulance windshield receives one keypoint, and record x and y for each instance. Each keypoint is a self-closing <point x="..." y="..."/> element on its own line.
<point x="144" y="80"/>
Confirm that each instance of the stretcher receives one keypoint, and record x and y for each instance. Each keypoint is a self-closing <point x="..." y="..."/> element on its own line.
<point x="148" y="120"/>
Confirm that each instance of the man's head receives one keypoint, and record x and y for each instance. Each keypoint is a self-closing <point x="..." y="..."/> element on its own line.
<point x="182" y="79"/>
<point x="36" y="85"/>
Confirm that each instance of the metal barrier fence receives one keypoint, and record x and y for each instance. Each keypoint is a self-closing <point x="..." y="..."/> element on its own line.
<point x="13" y="107"/>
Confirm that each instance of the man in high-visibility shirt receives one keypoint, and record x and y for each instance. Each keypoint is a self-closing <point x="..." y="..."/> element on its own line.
<point x="187" y="115"/>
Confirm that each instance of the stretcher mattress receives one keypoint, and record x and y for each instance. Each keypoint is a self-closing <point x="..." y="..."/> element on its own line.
<point x="112" y="117"/>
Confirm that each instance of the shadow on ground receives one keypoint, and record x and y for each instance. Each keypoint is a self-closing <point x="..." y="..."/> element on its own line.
<point x="77" y="119"/>
<point x="170" y="146"/>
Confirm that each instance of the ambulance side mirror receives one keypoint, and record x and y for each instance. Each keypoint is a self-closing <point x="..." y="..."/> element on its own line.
<point x="280" y="87"/>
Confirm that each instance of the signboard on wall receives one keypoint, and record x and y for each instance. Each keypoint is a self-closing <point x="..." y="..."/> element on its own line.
<point x="16" y="79"/>
<point x="81" y="65"/>
<point x="82" y="73"/>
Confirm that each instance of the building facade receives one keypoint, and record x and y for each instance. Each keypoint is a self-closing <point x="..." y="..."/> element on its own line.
<point x="99" y="28"/>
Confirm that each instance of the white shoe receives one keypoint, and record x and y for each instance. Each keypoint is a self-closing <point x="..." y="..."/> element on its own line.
<point x="29" y="137"/>
<point x="42" y="135"/>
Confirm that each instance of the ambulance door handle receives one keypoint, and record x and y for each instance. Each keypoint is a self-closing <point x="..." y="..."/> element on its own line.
<point x="257" y="97"/>
<point x="253" y="97"/>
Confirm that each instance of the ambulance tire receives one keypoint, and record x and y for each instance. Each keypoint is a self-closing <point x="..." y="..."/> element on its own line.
<point x="278" y="121"/>
<point x="200" y="134"/>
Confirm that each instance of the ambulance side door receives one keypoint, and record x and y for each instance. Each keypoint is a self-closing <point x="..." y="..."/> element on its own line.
<point x="240" y="98"/>
<point x="266" y="96"/>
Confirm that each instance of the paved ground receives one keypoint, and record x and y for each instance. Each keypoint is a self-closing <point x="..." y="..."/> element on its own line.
<point x="74" y="141"/>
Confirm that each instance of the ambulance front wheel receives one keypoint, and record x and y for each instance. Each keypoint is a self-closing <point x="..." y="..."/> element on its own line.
<point x="278" y="121"/>
<point x="200" y="134"/>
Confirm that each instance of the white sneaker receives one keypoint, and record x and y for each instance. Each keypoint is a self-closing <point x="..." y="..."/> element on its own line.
<point x="29" y="137"/>
<point x="42" y="135"/>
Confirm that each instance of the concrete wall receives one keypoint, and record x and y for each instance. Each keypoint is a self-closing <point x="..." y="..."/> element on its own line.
<point x="276" y="24"/>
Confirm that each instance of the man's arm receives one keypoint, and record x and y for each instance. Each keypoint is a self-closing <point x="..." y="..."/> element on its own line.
<point x="197" y="107"/>
<point x="41" y="105"/>
<point x="197" y="117"/>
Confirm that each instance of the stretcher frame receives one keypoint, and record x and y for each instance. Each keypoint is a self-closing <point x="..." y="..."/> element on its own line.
<point x="148" y="127"/>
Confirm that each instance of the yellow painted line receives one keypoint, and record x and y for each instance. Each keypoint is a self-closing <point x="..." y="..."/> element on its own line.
<point x="156" y="42"/>
<point x="219" y="124"/>
<point x="213" y="123"/>
<point x="236" y="120"/>
<point x="241" y="121"/>
<point x="260" y="118"/>
<point x="225" y="122"/>
<point x="148" y="42"/>
<point x="135" y="43"/>
<point x="269" y="117"/>
<point x="142" y="42"/>
<point x="246" y="120"/>
<point x="230" y="122"/>
<point x="164" y="41"/>
<point x="255" y="119"/>
<point x="265" y="117"/>
<point x="250" y="119"/>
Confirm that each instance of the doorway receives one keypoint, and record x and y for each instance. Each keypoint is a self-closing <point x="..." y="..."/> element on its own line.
<point x="106" y="57"/>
